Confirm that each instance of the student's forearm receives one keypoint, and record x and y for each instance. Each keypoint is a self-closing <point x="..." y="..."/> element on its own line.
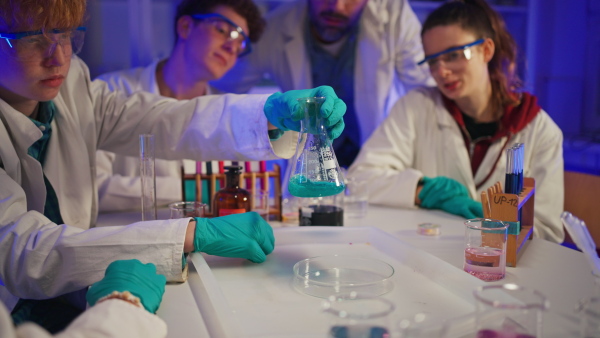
<point x="188" y="243"/>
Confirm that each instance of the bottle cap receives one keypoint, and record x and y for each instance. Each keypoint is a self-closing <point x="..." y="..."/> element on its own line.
<point x="429" y="229"/>
<point x="233" y="169"/>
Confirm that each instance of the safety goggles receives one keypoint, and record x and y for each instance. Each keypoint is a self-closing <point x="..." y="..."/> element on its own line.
<point x="229" y="30"/>
<point x="42" y="44"/>
<point x="452" y="57"/>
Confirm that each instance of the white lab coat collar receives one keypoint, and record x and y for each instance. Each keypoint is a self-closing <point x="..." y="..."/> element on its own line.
<point x="148" y="77"/>
<point x="295" y="47"/>
<point x="370" y="38"/>
<point x="26" y="172"/>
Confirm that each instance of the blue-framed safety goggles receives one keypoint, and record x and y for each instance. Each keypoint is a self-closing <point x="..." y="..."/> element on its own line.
<point x="41" y="43"/>
<point x="233" y="32"/>
<point x="428" y="58"/>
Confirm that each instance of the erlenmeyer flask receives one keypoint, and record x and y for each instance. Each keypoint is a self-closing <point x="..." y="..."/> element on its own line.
<point x="315" y="170"/>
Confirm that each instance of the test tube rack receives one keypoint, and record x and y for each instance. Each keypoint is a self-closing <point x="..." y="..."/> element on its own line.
<point x="248" y="181"/>
<point x="507" y="208"/>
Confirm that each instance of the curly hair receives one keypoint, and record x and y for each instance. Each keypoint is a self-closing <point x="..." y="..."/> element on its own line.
<point x="477" y="17"/>
<point x="20" y="15"/>
<point x="245" y="8"/>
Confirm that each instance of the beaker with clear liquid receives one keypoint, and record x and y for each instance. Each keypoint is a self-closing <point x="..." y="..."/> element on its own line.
<point x="315" y="169"/>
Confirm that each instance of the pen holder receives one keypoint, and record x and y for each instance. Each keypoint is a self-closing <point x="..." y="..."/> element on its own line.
<point x="517" y="210"/>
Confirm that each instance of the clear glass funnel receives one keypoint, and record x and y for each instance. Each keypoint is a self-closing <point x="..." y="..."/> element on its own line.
<point x="315" y="169"/>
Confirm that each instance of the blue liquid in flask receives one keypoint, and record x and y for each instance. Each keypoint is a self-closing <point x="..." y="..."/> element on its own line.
<point x="301" y="186"/>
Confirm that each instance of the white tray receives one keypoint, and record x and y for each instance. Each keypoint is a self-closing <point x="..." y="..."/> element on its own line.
<point x="238" y="298"/>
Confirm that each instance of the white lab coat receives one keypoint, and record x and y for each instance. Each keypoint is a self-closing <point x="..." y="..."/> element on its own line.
<point x="112" y="318"/>
<point x="118" y="177"/>
<point x="40" y="259"/>
<point x="420" y="138"/>
<point x="388" y="49"/>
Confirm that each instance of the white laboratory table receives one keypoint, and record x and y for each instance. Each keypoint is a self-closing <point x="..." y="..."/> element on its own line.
<point x="560" y="273"/>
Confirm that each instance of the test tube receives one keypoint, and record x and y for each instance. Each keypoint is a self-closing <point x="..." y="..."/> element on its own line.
<point x="521" y="164"/>
<point x="510" y="179"/>
<point x="148" y="177"/>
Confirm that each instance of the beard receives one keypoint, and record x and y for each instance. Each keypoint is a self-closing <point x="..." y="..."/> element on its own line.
<point x="327" y="32"/>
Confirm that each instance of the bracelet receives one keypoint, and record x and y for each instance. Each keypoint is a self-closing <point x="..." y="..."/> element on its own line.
<point x="125" y="295"/>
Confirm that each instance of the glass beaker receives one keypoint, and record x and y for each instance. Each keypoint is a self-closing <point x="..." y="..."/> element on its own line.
<point x="485" y="248"/>
<point x="358" y="315"/>
<point x="509" y="311"/>
<point x="315" y="169"/>
<point x="187" y="209"/>
<point x="589" y="314"/>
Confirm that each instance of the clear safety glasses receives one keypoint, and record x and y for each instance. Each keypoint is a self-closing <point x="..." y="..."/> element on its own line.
<point x="452" y="58"/>
<point x="42" y="44"/>
<point x="229" y="30"/>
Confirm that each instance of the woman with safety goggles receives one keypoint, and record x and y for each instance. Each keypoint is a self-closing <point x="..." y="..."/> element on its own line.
<point x="441" y="147"/>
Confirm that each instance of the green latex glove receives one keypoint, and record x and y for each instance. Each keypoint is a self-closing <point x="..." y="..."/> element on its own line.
<point x="139" y="279"/>
<point x="440" y="189"/>
<point x="285" y="113"/>
<point x="463" y="206"/>
<point x="244" y="235"/>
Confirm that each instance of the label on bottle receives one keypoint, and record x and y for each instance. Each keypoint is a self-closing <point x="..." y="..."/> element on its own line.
<point x="327" y="157"/>
<point x="225" y="212"/>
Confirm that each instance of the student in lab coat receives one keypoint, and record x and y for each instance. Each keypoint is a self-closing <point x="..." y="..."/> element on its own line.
<point x="441" y="147"/>
<point x="211" y="35"/>
<point x="53" y="119"/>
<point x="122" y="305"/>
<point x="367" y="50"/>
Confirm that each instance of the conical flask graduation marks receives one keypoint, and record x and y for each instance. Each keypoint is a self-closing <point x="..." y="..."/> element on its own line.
<point x="315" y="170"/>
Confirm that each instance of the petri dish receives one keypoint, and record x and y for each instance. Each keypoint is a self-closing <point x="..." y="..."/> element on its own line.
<point x="324" y="276"/>
<point x="428" y="229"/>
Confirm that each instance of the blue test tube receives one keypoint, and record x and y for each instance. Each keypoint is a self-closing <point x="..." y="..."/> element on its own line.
<point x="521" y="165"/>
<point x="510" y="179"/>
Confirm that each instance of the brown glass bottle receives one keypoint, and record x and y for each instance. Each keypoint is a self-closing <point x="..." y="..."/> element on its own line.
<point x="232" y="199"/>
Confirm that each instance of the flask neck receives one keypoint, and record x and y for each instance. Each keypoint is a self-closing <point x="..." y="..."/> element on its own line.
<point x="313" y="122"/>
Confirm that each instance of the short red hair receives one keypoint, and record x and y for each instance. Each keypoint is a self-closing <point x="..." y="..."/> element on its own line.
<point x="27" y="15"/>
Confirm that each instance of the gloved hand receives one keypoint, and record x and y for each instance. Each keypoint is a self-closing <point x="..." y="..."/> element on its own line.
<point x="139" y="279"/>
<point x="285" y="113"/>
<point x="440" y="189"/>
<point x="463" y="206"/>
<point x="244" y="235"/>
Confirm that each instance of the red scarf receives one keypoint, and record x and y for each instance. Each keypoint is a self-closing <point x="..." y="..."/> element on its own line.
<point x="514" y="119"/>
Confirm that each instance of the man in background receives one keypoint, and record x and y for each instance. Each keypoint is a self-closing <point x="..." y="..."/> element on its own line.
<point x="367" y="50"/>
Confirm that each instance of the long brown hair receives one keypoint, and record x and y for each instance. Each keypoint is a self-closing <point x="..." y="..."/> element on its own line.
<point x="20" y="15"/>
<point x="477" y="17"/>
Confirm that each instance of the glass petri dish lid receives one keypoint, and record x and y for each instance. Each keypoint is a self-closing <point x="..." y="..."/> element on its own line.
<point x="324" y="276"/>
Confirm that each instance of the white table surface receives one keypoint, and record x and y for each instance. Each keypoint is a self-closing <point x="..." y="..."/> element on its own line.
<point x="560" y="273"/>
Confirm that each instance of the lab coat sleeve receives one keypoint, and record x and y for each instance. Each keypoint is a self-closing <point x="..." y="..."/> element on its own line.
<point x="112" y="318"/>
<point x="410" y="51"/>
<point x="212" y="127"/>
<point x="40" y="259"/>
<point x="547" y="166"/>
<point x="121" y="192"/>
<point x="386" y="159"/>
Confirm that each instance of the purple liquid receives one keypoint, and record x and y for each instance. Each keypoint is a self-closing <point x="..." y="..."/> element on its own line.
<point x="487" y="264"/>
